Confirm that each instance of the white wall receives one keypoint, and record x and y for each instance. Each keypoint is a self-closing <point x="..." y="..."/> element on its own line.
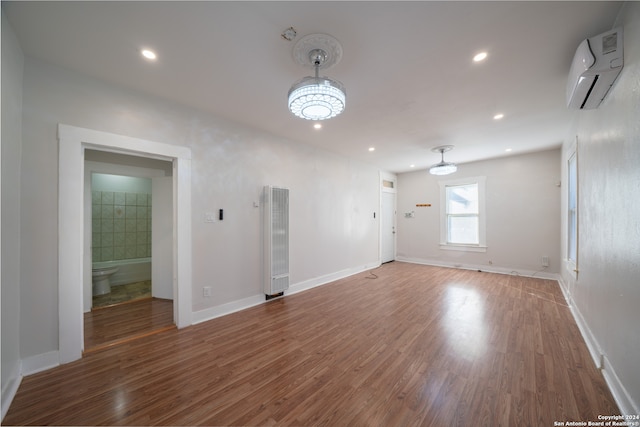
<point x="522" y="215"/>
<point x="12" y="68"/>
<point x="606" y="296"/>
<point x="332" y="199"/>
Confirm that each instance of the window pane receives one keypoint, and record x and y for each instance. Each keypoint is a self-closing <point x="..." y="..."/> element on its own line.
<point x="572" y="226"/>
<point x="463" y="229"/>
<point x="572" y="255"/>
<point x="462" y="199"/>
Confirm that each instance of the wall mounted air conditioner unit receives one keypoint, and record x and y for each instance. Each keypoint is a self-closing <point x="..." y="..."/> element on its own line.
<point x="276" y="240"/>
<point x="595" y="66"/>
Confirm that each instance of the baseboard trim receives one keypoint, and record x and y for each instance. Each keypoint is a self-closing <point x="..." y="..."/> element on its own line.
<point x="11" y="388"/>
<point x="486" y="268"/>
<point x="328" y="278"/>
<point x="242" y="304"/>
<point x="224" y="309"/>
<point x="40" y="362"/>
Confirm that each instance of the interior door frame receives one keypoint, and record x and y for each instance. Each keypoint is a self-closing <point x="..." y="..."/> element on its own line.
<point x="72" y="144"/>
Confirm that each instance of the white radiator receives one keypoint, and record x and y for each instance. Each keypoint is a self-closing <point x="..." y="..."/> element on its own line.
<point x="276" y="240"/>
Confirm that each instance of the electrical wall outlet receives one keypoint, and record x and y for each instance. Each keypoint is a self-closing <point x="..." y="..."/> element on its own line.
<point x="545" y="261"/>
<point x="206" y="291"/>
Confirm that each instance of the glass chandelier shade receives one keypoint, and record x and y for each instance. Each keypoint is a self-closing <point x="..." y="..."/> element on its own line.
<point x="442" y="168"/>
<point x="317" y="98"/>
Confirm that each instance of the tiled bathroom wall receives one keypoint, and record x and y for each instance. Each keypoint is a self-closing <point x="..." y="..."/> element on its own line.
<point x="121" y="225"/>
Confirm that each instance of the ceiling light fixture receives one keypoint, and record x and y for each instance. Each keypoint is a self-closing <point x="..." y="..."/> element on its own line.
<point x="149" y="54"/>
<point x="317" y="98"/>
<point x="317" y="125"/>
<point x="498" y="116"/>
<point x="480" y="57"/>
<point x="442" y="168"/>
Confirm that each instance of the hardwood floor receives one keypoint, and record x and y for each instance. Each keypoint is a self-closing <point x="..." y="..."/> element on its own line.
<point x="107" y="326"/>
<point x="419" y="345"/>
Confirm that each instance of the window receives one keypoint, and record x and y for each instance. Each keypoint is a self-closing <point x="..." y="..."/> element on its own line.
<point x="572" y="209"/>
<point x="387" y="183"/>
<point x="462" y="215"/>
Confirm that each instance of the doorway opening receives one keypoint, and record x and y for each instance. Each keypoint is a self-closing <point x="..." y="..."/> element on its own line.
<point x="387" y="217"/>
<point x="74" y="260"/>
<point x="128" y="226"/>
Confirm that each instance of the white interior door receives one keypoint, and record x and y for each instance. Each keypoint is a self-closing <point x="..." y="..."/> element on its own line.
<point x="162" y="237"/>
<point x="388" y="225"/>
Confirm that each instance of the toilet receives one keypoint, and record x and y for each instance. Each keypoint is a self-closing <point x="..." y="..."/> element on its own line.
<point x="101" y="283"/>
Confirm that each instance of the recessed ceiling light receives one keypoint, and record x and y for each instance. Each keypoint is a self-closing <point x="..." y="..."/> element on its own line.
<point x="480" y="57"/>
<point x="317" y="125"/>
<point x="508" y="150"/>
<point x="412" y="166"/>
<point x="372" y="148"/>
<point x="498" y="116"/>
<point x="149" y="54"/>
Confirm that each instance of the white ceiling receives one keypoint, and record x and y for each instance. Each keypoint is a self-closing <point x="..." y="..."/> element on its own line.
<point x="407" y="66"/>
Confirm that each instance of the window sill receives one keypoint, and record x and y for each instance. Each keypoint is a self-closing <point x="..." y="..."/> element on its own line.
<point x="463" y="248"/>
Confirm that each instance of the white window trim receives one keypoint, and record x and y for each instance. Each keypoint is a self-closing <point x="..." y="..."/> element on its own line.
<point x="482" y="217"/>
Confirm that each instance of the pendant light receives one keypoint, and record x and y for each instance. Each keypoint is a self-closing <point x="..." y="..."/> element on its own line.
<point x="442" y="168"/>
<point x="317" y="98"/>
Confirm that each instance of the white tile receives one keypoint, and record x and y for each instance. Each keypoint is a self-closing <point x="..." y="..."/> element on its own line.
<point x="107" y="197"/>
<point x="119" y="198"/>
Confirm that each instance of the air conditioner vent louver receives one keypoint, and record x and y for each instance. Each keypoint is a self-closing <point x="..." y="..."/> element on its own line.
<point x="595" y="80"/>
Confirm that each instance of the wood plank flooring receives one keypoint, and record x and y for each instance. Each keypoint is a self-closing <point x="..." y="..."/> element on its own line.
<point x="418" y="345"/>
<point x="106" y="326"/>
